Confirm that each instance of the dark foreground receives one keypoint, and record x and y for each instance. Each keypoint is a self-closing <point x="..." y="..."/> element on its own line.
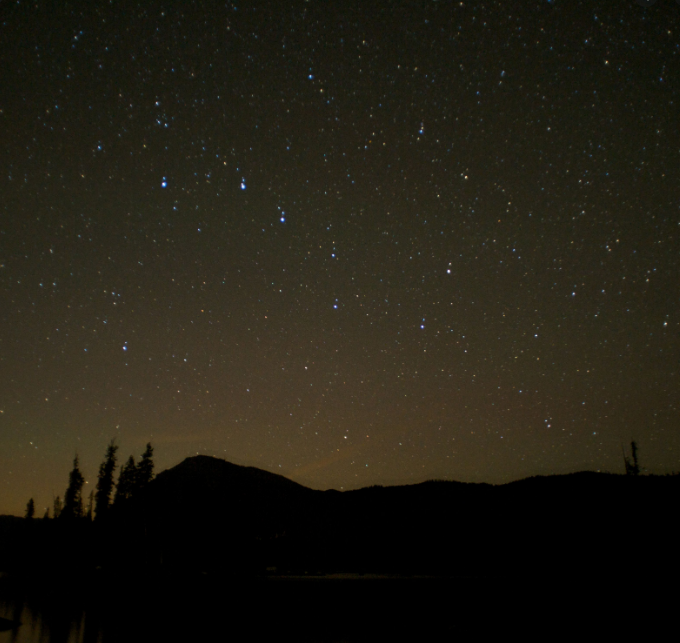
<point x="333" y="608"/>
<point x="192" y="560"/>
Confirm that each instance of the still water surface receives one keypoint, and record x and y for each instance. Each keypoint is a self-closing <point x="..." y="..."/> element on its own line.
<point x="37" y="627"/>
<point x="304" y="609"/>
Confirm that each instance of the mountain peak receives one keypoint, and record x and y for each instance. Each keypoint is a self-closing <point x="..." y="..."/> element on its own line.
<point x="203" y="483"/>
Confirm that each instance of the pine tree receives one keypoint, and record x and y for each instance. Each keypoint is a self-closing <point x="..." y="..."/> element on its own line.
<point x="56" y="509"/>
<point x="73" y="499"/>
<point x="134" y="477"/>
<point x="30" y="509"/>
<point x="105" y="481"/>
<point x="636" y="467"/>
<point x="46" y="516"/>
<point x="632" y="468"/>
<point x="127" y="481"/>
<point x="145" y="468"/>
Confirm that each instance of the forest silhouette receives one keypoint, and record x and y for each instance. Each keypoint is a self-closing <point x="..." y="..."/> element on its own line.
<point x="170" y="557"/>
<point x="207" y="515"/>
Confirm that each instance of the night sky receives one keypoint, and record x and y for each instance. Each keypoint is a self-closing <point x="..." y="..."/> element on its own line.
<point x="351" y="243"/>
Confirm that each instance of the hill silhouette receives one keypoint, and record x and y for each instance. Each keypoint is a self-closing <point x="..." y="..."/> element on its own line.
<point x="207" y="514"/>
<point x="212" y="548"/>
<point x="202" y="486"/>
<point x="211" y="472"/>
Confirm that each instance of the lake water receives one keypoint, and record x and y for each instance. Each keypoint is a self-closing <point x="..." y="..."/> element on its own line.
<point x="311" y="609"/>
<point x="341" y="608"/>
<point x="35" y="628"/>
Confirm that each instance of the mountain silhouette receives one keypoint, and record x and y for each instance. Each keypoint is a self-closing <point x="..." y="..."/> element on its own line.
<point x="202" y="486"/>
<point x="207" y="514"/>
<point x="210" y="548"/>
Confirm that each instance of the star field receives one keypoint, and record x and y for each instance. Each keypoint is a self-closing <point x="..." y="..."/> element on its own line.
<point x="355" y="245"/>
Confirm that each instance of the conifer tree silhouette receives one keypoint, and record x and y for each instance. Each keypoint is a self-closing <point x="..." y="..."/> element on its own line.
<point x="126" y="481"/>
<point x="145" y="468"/>
<point x="636" y="466"/>
<point x="632" y="468"/>
<point x="105" y="482"/>
<point x="30" y="509"/>
<point x="134" y="477"/>
<point x="57" y="507"/>
<point x="73" y="499"/>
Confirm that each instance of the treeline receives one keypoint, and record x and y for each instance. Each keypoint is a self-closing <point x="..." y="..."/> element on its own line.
<point x="132" y="478"/>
